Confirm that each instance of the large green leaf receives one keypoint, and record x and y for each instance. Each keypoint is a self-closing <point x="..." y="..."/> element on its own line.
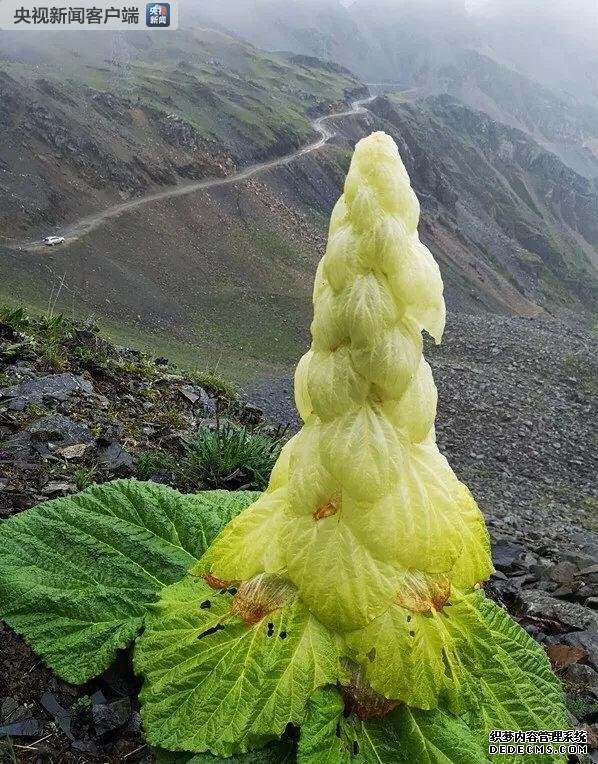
<point x="401" y="653"/>
<point x="326" y="736"/>
<point x="77" y="574"/>
<point x="470" y="653"/>
<point x="501" y="678"/>
<point x="431" y="737"/>
<point x="404" y="736"/>
<point x="276" y="752"/>
<point x="213" y="683"/>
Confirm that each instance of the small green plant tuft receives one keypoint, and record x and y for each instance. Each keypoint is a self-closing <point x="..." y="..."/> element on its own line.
<point x="214" y="383"/>
<point x="16" y="318"/>
<point x="84" y="477"/>
<point x="229" y="455"/>
<point x="153" y="462"/>
<point x="82" y="703"/>
<point x="55" y="328"/>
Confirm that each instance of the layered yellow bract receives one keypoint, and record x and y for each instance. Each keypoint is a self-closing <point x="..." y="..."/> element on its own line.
<point x="363" y="514"/>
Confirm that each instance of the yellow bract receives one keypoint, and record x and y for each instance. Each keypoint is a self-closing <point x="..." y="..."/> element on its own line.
<point x="363" y="514"/>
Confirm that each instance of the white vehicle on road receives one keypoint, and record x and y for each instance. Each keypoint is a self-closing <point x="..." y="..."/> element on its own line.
<point x="50" y="241"/>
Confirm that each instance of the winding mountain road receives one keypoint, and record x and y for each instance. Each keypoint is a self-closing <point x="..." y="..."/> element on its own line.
<point x="76" y="230"/>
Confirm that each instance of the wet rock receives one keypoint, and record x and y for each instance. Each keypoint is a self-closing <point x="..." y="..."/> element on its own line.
<point x="110" y="716"/>
<point x="56" y="387"/>
<point x="507" y="556"/>
<point x="26" y="728"/>
<point x="88" y="339"/>
<point x="55" y="428"/>
<point x="55" y="488"/>
<point x="587" y="640"/>
<point x="197" y="396"/>
<point x="134" y="727"/>
<point x="113" y="457"/>
<point x="564" y="572"/>
<point x="570" y="590"/>
<point x="98" y="698"/>
<point x="581" y="678"/>
<point x="61" y="715"/>
<point x="538" y="604"/>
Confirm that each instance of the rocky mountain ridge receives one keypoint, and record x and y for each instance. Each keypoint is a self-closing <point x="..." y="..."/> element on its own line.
<point x="528" y="216"/>
<point x="214" y="104"/>
<point x="435" y="47"/>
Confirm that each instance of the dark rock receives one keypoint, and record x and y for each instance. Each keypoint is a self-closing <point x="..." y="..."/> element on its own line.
<point x="564" y="572"/>
<point x="507" y="556"/>
<point x="55" y="428"/>
<point x="86" y="746"/>
<point x="17" y="404"/>
<point x="538" y="604"/>
<point x="27" y="728"/>
<point x="134" y="727"/>
<point x="110" y="716"/>
<point x="55" y="487"/>
<point x="97" y="698"/>
<point x="588" y="640"/>
<point x="88" y="339"/>
<point x="568" y="590"/>
<point x="55" y="386"/>
<point x="113" y="457"/>
<point x="582" y="678"/>
<point x="62" y="716"/>
<point x="197" y="396"/>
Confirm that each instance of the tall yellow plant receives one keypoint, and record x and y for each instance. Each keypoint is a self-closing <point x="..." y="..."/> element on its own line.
<point x="363" y="513"/>
<point x="349" y="590"/>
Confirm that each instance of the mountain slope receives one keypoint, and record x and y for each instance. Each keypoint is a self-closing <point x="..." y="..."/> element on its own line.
<point x="430" y="47"/>
<point x="227" y="273"/>
<point x="228" y="270"/>
<point x="527" y="215"/>
<point x="85" y="123"/>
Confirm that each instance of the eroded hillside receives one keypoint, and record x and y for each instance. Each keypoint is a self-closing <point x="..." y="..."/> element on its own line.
<point x="88" y="124"/>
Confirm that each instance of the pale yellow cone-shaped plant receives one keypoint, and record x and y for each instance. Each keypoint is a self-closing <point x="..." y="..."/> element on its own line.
<point x="362" y="513"/>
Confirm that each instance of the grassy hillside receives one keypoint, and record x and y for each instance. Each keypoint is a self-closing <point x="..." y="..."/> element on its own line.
<point x="226" y="273"/>
<point x="86" y="122"/>
<point x="224" y="276"/>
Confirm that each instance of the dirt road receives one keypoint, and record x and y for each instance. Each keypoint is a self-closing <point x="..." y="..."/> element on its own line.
<point x="83" y="226"/>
